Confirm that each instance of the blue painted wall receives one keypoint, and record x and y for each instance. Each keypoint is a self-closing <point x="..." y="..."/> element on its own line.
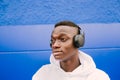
<point x="25" y="27"/>
<point x="27" y="12"/>
<point x="24" y="49"/>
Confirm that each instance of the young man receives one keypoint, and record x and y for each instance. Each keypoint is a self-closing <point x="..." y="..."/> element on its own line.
<point x="67" y="62"/>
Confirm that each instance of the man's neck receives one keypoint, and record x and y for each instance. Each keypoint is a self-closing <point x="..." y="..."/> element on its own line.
<point x="71" y="64"/>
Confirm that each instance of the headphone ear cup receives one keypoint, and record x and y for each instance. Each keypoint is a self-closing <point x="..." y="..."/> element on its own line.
<point x="78" y="40"/>
<point x="50" y="43"/>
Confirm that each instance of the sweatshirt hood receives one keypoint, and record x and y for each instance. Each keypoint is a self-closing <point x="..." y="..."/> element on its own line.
<point x="87" y="64"/>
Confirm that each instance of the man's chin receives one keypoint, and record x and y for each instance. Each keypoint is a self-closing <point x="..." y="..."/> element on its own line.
<point x="60" y="59"/>
<point x="57" y="58"/>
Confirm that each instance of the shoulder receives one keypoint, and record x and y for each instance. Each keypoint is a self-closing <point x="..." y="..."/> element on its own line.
<point x="99" y="75"/>
<point x="44" y="70"/>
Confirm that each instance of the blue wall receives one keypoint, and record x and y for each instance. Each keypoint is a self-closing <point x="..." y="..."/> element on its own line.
<point x="26" y="25"/>
<point x="24" y="49"/>
<point x="26" y="12"/>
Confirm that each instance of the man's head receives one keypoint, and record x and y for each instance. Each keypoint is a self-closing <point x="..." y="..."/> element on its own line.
<point x="63" y="39"/>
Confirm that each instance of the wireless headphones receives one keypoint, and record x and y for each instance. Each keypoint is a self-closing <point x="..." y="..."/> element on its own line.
<point x="79" y="40"/>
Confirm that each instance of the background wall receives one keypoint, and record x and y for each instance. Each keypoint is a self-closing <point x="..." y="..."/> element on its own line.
<point x="29" y="12"/>
<point x="25" y="27"/>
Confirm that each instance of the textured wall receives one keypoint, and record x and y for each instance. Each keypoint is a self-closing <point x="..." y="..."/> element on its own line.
<point x="26" y="12"/>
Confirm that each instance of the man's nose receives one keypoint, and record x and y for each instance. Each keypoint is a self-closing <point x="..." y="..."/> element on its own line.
<point x="56" y="44"/>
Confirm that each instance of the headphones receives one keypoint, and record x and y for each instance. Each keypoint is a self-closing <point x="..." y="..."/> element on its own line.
<point x="78" y="40"/>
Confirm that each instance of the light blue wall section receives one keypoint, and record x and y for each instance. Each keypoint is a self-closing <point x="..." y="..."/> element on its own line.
<point x="37" y="37"/>
<point x="25" y="38"/>
<point x="27" y="12"/>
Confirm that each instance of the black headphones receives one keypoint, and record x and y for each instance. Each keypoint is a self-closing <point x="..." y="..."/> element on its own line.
<point x="78" y="40"/>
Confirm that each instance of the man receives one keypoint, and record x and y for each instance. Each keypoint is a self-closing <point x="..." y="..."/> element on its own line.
<point x="67" y="62"/>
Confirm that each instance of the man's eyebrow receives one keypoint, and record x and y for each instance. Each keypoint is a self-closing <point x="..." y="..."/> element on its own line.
<point x="52" y="36"/>
<point x="62" y="34"/>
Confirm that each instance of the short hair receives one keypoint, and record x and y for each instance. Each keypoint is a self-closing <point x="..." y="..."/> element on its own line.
<point x="67" y="23"/>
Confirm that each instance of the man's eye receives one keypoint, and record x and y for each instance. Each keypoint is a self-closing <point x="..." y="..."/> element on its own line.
<point x="63" y="39"/>
<point x="52" y="41"/>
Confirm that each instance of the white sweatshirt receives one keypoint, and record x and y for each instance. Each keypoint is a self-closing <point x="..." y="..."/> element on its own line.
<point x="86" y="71"/>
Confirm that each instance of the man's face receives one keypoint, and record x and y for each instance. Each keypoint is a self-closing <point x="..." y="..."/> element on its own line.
<point x="62" y="42"/>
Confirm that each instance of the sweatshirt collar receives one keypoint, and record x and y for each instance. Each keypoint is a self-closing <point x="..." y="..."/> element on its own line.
<point x="87" y="64"/>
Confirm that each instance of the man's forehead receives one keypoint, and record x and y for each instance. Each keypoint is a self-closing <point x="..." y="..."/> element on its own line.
<point x="60" y="35"/>
<point x="65" y="29"/>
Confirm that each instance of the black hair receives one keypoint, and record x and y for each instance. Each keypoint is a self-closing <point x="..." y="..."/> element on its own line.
<point x="68" y="23"/>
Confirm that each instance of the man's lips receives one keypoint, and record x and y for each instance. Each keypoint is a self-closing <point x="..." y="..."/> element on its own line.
<point x="56" y="53"/>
